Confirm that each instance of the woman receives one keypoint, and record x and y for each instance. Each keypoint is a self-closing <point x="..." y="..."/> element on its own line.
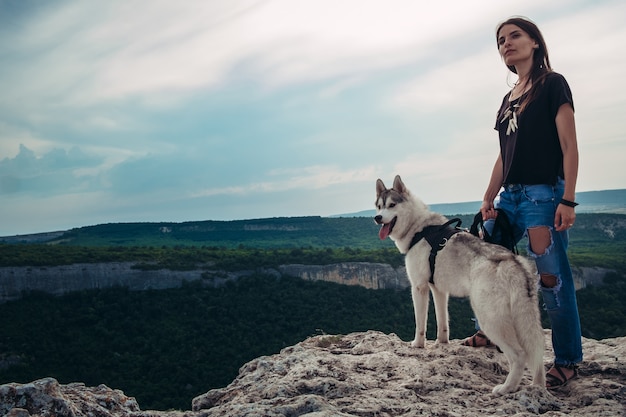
<point x="538" y="167"/>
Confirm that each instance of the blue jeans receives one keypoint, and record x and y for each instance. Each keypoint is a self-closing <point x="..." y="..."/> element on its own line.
<point x="529" y="206"/>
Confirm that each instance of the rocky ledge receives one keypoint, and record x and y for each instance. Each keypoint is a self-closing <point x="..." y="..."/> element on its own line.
<point x="360" y="374"/>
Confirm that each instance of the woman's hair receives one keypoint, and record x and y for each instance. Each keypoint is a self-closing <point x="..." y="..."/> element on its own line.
<point x="541" y="61"/>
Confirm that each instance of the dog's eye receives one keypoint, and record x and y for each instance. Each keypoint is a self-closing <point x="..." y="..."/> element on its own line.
<point x="392" y="205"/>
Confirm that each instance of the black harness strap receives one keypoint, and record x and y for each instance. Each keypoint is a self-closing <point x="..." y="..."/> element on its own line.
<point x="437" y="237"/>
<point x="502" y="233"/>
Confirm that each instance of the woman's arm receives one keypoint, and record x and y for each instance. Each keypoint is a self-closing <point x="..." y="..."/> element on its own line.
<point x="495" y="184"/>
<point x="566" y="128"/>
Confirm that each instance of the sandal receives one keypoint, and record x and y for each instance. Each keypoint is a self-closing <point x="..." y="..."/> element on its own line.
<point x="556" y="381"/>
<point x="478" y="340"/>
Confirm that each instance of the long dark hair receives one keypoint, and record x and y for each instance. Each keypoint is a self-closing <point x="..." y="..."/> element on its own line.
<point x="541" y="62"/>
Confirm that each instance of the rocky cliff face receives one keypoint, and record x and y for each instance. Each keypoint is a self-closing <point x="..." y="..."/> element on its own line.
<point x="369" y="275"/>
<point x="58" y="280"/>
<point x="360" y="374"/>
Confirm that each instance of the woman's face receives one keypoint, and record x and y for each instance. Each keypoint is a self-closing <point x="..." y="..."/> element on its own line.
<point x="515" y="45"/>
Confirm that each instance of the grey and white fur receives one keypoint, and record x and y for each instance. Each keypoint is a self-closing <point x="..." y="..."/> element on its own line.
<point x="502" y="287"/>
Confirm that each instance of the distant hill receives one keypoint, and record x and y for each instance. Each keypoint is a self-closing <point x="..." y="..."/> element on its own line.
<point x="356" y="230"/>
<point x="607" y="201"/>
<point x="279" y="232"/>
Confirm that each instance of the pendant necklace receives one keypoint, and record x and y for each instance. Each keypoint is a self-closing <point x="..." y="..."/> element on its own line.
<point x="511" y="115"/>
<point x="511" y="112"/>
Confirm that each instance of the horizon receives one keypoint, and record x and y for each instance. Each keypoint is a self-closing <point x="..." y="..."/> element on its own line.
<point x="582" y="208"/>
<point x="133" y="111"/>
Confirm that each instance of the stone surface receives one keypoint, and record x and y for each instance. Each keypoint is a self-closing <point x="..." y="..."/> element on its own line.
<point x="373" y="374"/>
<point x="46" y="397"/>
<point x="360" y="374"/>
<point x="374" y="276"/>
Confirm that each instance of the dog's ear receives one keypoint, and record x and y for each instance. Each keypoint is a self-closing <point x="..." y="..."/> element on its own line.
<point x="380" y="187"/>
<point x="399" y="186"/>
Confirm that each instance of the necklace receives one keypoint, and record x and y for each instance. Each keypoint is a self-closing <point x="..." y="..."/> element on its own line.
<point x="511" y="115"/>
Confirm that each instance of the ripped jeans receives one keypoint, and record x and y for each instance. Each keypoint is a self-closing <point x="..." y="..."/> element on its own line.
<point x="529" y="206"/>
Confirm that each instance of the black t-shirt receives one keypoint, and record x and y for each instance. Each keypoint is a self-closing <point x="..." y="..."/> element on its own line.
<point x="529" y="143"/>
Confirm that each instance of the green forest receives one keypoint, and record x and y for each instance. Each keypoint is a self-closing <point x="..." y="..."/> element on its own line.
<point x="166" y="347"/>
<point x="597" y="240"/>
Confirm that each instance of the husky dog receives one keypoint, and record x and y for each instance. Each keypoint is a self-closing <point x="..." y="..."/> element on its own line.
<point x="501" y="286"/>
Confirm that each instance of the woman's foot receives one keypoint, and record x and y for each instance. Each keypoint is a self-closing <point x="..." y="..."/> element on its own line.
<point x="478" y="340"/>
<point x="559" y="376"/>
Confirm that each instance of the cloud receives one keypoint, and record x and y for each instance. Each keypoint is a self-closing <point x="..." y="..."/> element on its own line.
<point x="305" y="179"/>
<point x="57" y="171"/>
<point x="90" y="52"/>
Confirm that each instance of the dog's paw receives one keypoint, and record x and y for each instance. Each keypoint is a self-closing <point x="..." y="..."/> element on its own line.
<point x="501" y="389"/>
<point x="417" y="343"/>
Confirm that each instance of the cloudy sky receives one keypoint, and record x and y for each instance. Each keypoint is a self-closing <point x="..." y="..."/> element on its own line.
<point x="163" y="110"/>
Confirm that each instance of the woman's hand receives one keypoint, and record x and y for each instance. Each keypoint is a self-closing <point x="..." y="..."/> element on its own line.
<point x="488" y="210"/>
<point x="564" y="218"/>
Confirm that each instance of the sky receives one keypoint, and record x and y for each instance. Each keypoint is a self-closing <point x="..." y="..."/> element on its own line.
<point x="172" y="111"/>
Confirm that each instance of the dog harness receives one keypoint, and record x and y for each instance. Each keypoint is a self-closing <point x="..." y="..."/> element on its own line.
<point x="437" y="237"/>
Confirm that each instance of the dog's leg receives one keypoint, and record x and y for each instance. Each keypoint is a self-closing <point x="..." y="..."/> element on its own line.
<point x="498" y="320"/>
<point x="517" y="361"/>
<point x="420" y="306"/>
<point x="539" y="373"/>
<point x="504" y="332"/>
<point x="440" y="299"/>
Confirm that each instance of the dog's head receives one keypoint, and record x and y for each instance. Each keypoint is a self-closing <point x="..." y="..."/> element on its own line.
<point x="388" y="205"/>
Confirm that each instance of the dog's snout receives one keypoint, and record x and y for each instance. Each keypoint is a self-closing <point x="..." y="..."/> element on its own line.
<point x="378" y="219"/>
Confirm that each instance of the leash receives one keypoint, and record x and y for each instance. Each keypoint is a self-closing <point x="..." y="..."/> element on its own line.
<point x="437" y="237"/>
<point x="502" y="233"/>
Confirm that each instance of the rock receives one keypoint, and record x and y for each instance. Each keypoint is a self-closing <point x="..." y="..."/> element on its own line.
<point x="593" y="275"/>
<point x="59" y="280"/>
<point x="370" y="275"/>
<point x="46" y="397"/>
<point x="361" y="374"/>
<point x="373" y="374"/>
